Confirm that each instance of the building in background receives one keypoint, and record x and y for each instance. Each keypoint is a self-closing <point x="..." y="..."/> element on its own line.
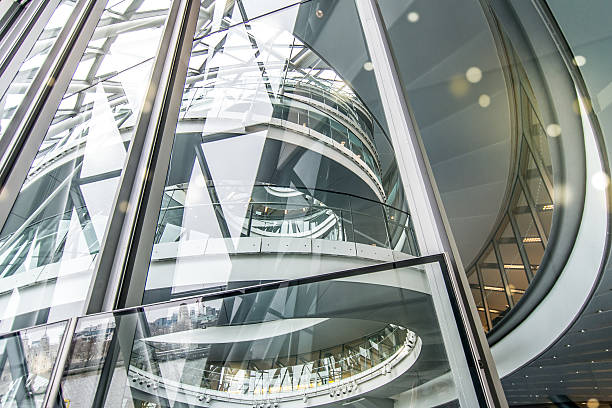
<point x="361" y="203"/>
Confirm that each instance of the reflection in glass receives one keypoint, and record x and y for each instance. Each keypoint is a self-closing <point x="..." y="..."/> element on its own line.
<point x="281" y="345"/>
<point x="26" y="361"/>
<point x="275" y="155"/>
<point x="522" y="235"/>
<point x="31" y="65"/>
<point x="49" y="242"/>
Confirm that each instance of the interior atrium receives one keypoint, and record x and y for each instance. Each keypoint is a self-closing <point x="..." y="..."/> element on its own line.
<point x="305" y="203"/>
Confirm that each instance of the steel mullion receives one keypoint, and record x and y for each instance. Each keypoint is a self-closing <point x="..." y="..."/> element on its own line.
<point x="121" y="270"/>
<point x="28" y="128"/>
<point x="21" y="28"/>
<point x="485" y="302"/>
<point x="57" y="371"/>
<point x="521" y="245"/>
<point x="502" y="271"/>
<point x="534" y="211"/>
<point x="539" y="165"/>
<point x="481" y="386"/>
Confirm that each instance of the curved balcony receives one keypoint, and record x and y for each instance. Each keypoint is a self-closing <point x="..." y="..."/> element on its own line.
<point x="268" y="220"/>
<point x="339" y="372"/>
<point x="332" y="125"/>
<point x="294" y="213"/>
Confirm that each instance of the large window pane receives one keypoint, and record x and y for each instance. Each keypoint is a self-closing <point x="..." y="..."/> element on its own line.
<point x="50" y="240"/>
<point x="268" y="177"/>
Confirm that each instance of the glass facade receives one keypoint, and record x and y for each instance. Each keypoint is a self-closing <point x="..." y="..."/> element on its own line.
<point x="363" y="203"/>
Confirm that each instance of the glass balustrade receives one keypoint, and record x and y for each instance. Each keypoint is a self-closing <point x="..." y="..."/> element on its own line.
<point x="280" y="212"/>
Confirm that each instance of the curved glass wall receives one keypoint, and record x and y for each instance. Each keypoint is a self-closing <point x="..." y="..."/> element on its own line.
<point x="280" y="156"/>
<point x="503" y="271"/>
<point x="187" y="148"/>
<point x="275" y="158"/>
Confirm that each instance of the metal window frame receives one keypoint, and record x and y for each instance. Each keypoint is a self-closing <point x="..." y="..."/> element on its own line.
<point x="533" y="210"/>
<point x="121" y="271"/>
<point x="485" y="301"/>
<point x="14" y="24"/>
<point x="36" y="113"/>
<point x="521" y="245"/>
<point x="25" y="28"/>
<point x="28" y="128"/>
<point x="502" y="271"/>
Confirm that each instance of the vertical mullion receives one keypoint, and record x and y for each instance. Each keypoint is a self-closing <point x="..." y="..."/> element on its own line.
<point x="24" y="31"/>
<point x="57" y="371"/>
<point x="481" y="386"/>
<point x="539" y="165"/>
<point x="521" y="245"/>
<point x="12" y="26"/>
<point x="502" y="271"/>
<point x="534" y="211"/>
<point x="485" y="302"/>
<point x="122" y="269"/>
<point x="28" y="128"/>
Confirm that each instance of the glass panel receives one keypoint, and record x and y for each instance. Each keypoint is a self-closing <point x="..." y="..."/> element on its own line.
<point x="538" y="137"/>
<point x="535" y="253"/>
<point x="528" y="232"/>
<point x="513" y="264"/>
<point x="539" y="193"/>
<point x="498" y="304"/>
<point x="31" y="65"/>
<point x="50" y="240"/>
<point x="525" y="221"/>
<point x="295" y="344"/>
<point x="305" y="195"/>
<point x="489" y="268"/>
<point x="473" y="278"/>
<point x="26" y="361"/>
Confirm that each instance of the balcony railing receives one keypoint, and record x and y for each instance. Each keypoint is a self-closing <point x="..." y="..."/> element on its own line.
<point x="269" y="211"/>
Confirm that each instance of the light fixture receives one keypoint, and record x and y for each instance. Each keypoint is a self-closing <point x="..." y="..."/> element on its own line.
<point x="513" y="266"/>
<point x="413" y="17"/>
<point x="484" y="101"/>
<point x="473" y="74"/>
<point x="553" y="130"/>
